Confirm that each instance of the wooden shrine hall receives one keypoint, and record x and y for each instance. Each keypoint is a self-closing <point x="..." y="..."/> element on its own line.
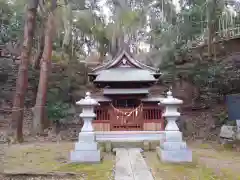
<point x="123" y="89"/>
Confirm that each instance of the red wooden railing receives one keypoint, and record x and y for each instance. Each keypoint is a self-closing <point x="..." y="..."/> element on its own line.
<point x="152" y="113"/>
<point x="135" y="122"/>
<point x="102" y="115"/>
<point x="148" y="114"/>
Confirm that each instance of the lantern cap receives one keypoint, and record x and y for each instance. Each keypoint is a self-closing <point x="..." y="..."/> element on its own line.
<point x="170" y="100"/>
<point x="87" y="101"/>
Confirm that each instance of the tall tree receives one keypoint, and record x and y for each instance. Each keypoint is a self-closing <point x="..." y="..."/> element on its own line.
<point x="211" y="24"/>
<point x="42" y="18"/>
<point x="40" y="119"/>
<point x="22" y="80"/>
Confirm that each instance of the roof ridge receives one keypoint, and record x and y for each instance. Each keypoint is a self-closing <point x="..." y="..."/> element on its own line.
<point x="130" y="57"/>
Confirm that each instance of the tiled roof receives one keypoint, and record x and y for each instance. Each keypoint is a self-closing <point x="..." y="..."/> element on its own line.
<point x="124" y="74"/>
<point x="152" y="99"/>
<point x="100" y="98"/>
<point x="125" y="91"/>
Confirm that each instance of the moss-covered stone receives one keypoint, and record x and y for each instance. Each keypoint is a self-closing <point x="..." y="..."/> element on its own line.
<point x="108" y="147"/>
<point x="146" y="145"/>
<point x="154" y="144"/>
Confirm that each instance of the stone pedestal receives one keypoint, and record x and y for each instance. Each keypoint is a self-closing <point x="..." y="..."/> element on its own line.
<point x="173" y="149"/>
<point x="86" y="149"/>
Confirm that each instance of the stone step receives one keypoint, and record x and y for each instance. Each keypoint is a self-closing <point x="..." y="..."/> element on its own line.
<point x="127" y="145"/>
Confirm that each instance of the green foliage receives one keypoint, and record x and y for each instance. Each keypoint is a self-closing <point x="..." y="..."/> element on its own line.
<point x="222" y="118"/>
<point x="11" y="21"/>
<point x="215" y="78"/>
<point x="56" y="58"/>
<point x="56" y="111"/>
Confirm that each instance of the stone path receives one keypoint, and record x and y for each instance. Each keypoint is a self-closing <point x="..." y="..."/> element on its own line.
<point x="3" y="148"/>
<point x="130" y="165"/>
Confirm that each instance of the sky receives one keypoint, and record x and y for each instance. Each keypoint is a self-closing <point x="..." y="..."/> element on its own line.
<point x="107" y="13"/>
<point x="177" y="5"/>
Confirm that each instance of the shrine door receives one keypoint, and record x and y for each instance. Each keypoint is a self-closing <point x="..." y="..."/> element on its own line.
<point x="126" y="115"/>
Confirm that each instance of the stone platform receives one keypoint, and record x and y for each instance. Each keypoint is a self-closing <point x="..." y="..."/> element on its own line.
<point x="128" y="136"/>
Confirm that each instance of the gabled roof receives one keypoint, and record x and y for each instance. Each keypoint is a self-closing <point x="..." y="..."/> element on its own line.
<point x="124" y="54"/>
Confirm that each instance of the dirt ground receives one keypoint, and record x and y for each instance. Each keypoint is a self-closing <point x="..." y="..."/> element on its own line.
<point x="210" y="162"/>
<point x="39" y="161"/>
<point x="52" y="158"/>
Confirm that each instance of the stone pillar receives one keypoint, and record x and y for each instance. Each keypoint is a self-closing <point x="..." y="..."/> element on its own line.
<point x="86" y="149"/>
<point x="173" y="149"/>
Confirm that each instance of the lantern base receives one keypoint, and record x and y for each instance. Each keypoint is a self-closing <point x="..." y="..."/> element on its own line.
<point x="174" y="149"/>
<point x="173" y="136"/>
<point x="175" y="156"/>
<point x="173" y="145"/>
<point x="86" y="149"/>
<point x="85" y="156"/>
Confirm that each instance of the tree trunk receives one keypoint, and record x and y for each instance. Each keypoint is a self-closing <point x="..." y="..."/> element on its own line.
<point x="40" y="120"/>
<point x="113" y="46"/>
<point x="22" y="80"/>
<point x="67" y="22"/>
<point x="210" y="40"/>
<point x="36" y="62"/>
<point x="101" y="57"/>
<point x="211" y="11"/>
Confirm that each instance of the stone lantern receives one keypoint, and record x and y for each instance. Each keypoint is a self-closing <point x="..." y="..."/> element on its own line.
<point x="173" y="149"/>
<point x="171" y="111"/>
<point x="86" y="149"/>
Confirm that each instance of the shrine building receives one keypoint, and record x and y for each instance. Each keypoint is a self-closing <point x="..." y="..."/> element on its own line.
<point x="123" y="90"/>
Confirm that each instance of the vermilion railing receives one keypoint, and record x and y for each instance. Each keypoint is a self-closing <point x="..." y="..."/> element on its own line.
<point x="102" y="114"/>
<point x="148" y="113"/>
<point x="152" y="113"/>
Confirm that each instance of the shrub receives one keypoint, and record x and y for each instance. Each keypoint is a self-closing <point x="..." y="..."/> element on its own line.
<point x="57" y="111"/>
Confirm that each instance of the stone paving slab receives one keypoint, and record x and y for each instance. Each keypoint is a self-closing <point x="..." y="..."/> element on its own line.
<point x="123" y="165"/>
<point x="139" y="166"/>
<point x="130" y="165"/>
